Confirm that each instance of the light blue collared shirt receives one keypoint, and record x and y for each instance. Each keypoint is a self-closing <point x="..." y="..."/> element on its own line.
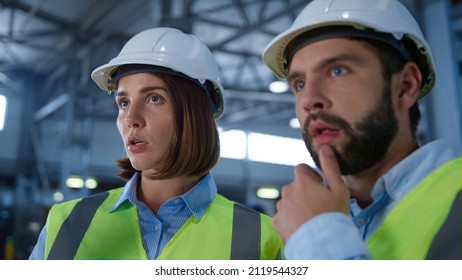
<point x="338" y="236"/>
<point x="157" y="230"/>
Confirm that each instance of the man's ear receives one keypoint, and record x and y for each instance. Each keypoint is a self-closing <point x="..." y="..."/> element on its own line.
<point x="409" y="81"/>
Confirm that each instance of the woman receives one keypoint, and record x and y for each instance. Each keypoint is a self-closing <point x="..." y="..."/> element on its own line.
<point x="168" y="93"/>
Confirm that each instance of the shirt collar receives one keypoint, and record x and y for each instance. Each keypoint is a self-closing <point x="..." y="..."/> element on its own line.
<point x="129" y="192"/>
<point x="200" y="196"/>
<point x="411" y="170"/>
<point x="408" y="173"/>
<point x="197" y="199"/>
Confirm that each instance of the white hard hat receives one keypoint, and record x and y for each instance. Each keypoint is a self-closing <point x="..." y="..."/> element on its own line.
<point x="172" y="49"/>
<point x="382" y="16"/>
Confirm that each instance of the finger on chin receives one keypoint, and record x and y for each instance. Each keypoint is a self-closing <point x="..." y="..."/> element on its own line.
<point x="330" y="165"/>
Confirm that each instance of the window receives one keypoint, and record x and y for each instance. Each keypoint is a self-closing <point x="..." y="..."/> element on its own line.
<point x="277" y="150"/>
<point x="236" y="144"/>
<point x="2" y="111"/>
<point x="233" y="144"/>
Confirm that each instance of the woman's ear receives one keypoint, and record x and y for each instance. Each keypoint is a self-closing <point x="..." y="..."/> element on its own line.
<point x="409" y="81"/>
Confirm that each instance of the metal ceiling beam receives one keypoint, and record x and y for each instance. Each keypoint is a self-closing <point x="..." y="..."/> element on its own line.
<point x="230" y="25"/>
<point x="51" y="107"/>
<point x="248" y="29"/>
<point x="10" y="83"/>
<point x="246" y="114"/>
<point x="261" y="121"/>
<point x="259" y="96"/>
<point x="51" y="18"/>
<point x="237" y="52"/>
<point x="124" y="13"/>
<point x="242" y="12"/>
<point x="95" y="12"/>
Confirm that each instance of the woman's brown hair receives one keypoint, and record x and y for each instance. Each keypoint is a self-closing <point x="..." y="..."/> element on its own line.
<point x="195" y="147"/>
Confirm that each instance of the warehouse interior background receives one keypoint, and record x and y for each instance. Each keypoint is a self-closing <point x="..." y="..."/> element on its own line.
<point x="58" y="129"/>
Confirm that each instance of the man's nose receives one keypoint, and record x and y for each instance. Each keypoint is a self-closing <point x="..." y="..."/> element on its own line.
<point x="312" y="97"/>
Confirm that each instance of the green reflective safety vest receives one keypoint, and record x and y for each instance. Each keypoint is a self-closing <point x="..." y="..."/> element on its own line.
<point x="86" y="229"/>
<point x="427" y="223"/>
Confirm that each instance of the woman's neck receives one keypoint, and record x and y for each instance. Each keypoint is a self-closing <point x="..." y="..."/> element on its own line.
<point x="154" y="193"/>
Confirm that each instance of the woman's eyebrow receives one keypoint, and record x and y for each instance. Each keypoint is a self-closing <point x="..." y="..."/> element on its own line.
<point x="143" y="90"/>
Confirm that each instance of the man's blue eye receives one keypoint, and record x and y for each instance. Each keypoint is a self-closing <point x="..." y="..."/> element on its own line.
<point x="123" y="103"/>
<point x="338" y="71"/>
<point x="299" y="85"/>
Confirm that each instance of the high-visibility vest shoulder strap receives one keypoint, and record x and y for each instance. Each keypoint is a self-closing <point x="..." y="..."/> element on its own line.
<point x="84" y="228"/>
<point x="417" y="223"/>
<point x="226" y="230"/>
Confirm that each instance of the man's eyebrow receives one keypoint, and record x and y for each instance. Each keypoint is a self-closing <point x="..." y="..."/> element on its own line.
<point x="119" y="93"/>
<point x="292" y="76"/>
<point x="344" y="57"/>
<point x="341" y="58"/>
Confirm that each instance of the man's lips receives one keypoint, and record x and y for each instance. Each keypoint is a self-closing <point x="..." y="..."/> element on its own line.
<point x="322" y="132"/>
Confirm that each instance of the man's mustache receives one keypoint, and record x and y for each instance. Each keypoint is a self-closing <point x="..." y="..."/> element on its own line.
<point x="327" y="118"/>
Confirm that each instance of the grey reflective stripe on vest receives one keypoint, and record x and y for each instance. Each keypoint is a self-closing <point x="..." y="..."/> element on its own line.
<point x="245" y="244"/>
<point x="71" y="233"/>
<point x="447" y="244"/>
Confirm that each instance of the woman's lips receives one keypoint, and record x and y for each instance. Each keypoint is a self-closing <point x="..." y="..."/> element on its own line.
<point x="136" y="144"/>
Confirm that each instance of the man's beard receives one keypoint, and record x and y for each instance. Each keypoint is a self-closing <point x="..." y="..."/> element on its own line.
<point x="367" y="144"/>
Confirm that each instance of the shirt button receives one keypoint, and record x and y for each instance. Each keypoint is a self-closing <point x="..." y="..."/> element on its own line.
<point x="156" y="227"/>
<point x="177" y="200"/>
<point x="360" y="222"/>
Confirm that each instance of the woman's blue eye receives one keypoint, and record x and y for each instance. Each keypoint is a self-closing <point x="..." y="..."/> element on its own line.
<point x="155" y="99"/>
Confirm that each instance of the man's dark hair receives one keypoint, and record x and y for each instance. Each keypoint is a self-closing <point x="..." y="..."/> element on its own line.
<point x="392" y="62"/>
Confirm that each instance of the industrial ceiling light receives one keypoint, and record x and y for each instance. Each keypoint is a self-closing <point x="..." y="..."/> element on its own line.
<point x="91" y="183"/>
<point x="2" y="111"/>
<point x="74" y="182"/>
<point x="58" y="196"/>
<point x="267" y="193"/>
<point x="278" y="86"/>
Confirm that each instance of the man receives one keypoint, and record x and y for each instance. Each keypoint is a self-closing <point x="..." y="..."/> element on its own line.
<point x="357" y="69"/>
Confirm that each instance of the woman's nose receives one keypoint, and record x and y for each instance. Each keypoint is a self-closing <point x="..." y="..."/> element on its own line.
<point x="134" y="117"/>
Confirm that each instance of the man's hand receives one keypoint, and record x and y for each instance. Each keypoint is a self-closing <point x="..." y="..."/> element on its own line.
<point x="306" y="197"/>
